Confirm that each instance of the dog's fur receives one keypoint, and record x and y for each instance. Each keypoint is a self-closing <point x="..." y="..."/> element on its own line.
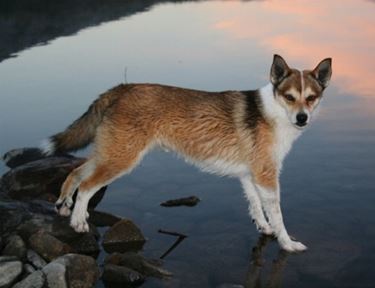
<point x="245" y="134"/>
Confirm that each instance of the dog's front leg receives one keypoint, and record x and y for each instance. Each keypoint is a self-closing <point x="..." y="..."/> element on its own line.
<point x="270" y="198"/>
<point x="255" y="206"/>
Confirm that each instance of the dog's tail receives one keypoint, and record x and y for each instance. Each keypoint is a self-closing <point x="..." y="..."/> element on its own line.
<point x="83" y="130"/>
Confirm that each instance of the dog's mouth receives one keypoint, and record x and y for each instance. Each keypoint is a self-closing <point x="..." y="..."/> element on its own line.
<point x="299" y="125"/>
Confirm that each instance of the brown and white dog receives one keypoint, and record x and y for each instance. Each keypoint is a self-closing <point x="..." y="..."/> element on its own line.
<point x="244" y="134"/>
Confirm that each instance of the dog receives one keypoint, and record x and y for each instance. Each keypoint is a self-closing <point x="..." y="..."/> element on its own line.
<point x="243" y="134"/>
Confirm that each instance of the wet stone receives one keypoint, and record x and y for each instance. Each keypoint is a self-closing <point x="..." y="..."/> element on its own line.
<point x="28" y="269"/>
<point x="48" y="246"/>
<point x="103" y="219"/>
<point x="9" y="272"/>
<point x="17" y="157"/>
<point x="34" y="280"/>
<point x="123" y="236"/>
<point x="86" y="244"/>
<point x="56" y="226"/>
<point x="80" y="271"/>
<point x="8" y="258"/>
<point x="138" y="263"/>
<point x="15" y="247"/>
<point x="114" y="274"/>
<point x="45" y="176"/>
<point x="34" y="258"/>
<point x="55" y="275"/>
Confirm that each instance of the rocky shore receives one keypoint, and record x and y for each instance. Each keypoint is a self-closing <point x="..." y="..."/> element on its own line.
<point x="38" y="248"/>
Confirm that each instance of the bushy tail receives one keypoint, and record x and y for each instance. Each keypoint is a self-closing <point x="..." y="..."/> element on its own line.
<point x="82" y="131"/>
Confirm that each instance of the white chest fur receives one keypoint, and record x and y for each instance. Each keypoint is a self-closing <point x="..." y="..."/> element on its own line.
<point x="285" y="132"/>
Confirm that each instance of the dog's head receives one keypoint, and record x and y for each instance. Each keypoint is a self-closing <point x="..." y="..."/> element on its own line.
<point x="299" y="92"/>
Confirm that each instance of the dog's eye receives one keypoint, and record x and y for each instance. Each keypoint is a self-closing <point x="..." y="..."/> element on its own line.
<point x="311" y="98"/>
<point x="289" y="97"/>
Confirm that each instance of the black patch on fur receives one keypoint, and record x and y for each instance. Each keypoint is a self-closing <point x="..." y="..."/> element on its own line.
<point x="254" y="108"/>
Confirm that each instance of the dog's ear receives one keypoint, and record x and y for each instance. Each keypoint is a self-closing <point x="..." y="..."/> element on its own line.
<point x="279" y="69"/>
<point x="323" y="72"/>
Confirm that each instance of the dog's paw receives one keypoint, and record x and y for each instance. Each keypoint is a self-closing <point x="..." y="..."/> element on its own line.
<point x="79" y="225"/>
<point x="62" y="207"/>
<point x="293" y="246"/>
<point x="266" y="230"/>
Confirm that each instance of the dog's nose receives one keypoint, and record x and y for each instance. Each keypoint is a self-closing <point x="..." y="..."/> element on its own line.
<point x="301" y="119"/>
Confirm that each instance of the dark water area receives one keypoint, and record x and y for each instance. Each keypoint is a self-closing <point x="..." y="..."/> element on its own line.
<point x="56" y="57"/>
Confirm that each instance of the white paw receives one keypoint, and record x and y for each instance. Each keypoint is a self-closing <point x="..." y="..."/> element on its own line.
<point x="64" y="211"/>
<point x="79" y="225"/>
<point x="293" y="246"/>
<point x="266" y="230"/>
<point x="62" y="207"/>
<point x="87" y="215"/>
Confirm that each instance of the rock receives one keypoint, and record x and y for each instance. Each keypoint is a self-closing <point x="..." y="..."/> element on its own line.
<point x="8" y="259"/>
<point x="9" y="272"/>
<point x="55" y="275"/>
<point x="123" y="236"/>
<point x="15" y="247"/>
<point x="103" y="219"/>
<point x="114" y="274"/>
<point x="34" y="258"/>
<point x="138" y="263"/>
<point x="80" y="271"/>
<point x="188" y="201"/>
<point x="17" y="157"/>
<point x="48" y="246"/>
<point x="11" y="215"/>
<point x="85" y="244"/>
<point x="28" y="269"/>
<point x="56" y="226"/>
<point x="45" y="176"/>
<point x="34" y="280"/>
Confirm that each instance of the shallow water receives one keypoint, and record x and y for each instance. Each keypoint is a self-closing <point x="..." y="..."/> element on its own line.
<point x="56" y="58"/>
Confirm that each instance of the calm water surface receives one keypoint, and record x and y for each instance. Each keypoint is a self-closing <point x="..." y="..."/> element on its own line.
<point x="56" y="60"/>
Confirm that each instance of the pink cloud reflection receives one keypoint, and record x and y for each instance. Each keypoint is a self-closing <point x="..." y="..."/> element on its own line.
<point x="308" y="31"/>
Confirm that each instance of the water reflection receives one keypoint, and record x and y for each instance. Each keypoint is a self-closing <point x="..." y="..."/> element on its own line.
<point x="27" y="23"/>
<point x="344" y="30"/>
<point x="258" y="265"/>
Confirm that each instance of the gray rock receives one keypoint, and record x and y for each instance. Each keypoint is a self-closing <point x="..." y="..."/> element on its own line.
<point x="103" y="219"/>
<point x="121" y="275"/>
<point x="8" y="259"/>
<point x="12" y="214"/>
<point x="45" y="176"/>
<point x="28" y="269"/>
<point x="59" y="228"/>
<point x="9" y="272"/>
<point x="123" y="236"/>
<point x="15" y="247"/>
<point x="55" y="275"/>
<point x="79" y="271"/>
<point x="48" y="246"/>
<point x="17" y="157"/>
<point x="34" y="258"/>
<point x="138" y="263"/>
<point x="34" y="280"/>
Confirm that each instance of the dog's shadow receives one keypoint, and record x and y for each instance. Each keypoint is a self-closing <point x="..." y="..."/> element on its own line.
<point x="255" y="277"/>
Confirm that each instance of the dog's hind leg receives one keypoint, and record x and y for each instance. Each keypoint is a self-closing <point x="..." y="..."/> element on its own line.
<point x="71" y="183"/>
<point x="112" y="159"/>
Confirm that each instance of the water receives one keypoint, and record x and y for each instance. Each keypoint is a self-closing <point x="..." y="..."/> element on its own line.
<point x="56" y="58"/>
